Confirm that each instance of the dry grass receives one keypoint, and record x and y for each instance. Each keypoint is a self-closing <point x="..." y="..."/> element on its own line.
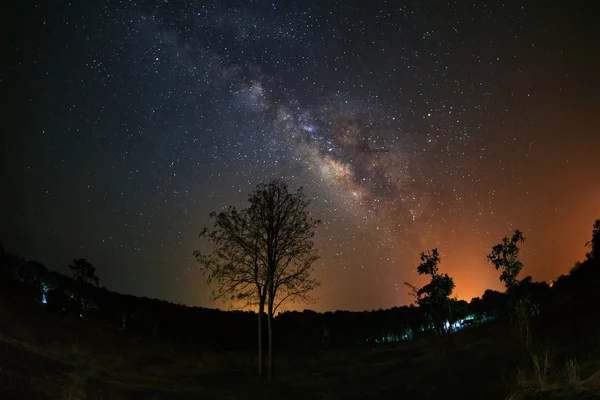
<point x="561" y="384"/>
<point x="572" y="371"/>
<point x="541" y="364"/>
<point x="101" y="365"/>
<point x="522" y="381"/>
<point x="73" y="386"/>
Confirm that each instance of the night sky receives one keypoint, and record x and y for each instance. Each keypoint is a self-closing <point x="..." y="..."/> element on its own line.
<point x="412" y="125"/>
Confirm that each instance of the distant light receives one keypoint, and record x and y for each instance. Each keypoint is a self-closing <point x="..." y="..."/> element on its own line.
<point x="44" y="300"/>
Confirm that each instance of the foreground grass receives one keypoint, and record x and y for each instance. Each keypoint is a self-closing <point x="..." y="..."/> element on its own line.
<point x="49" y="357"/>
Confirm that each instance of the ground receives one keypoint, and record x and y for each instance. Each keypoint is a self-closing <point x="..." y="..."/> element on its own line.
<point x="50" y="357"/>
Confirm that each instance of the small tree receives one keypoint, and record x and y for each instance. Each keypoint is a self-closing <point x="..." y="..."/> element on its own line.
<point x="84" y="272"/>
<point x="434" y="298"/>
<point x="505" y="256"/>
<point x="264" y="252"/>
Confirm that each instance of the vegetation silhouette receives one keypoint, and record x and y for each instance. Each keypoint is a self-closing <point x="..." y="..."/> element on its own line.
<point x="41" y="309"/>
<point x="504" y="257"/>
<point x="84" y="272"/>
<point x="263" y="254"/>
<point x="434" y="297"/>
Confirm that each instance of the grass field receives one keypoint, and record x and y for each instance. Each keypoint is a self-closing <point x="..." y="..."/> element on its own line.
<point x="50" y="357"/>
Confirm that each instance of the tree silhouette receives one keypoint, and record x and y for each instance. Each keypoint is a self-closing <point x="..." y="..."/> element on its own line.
<point x="263" y="254"/>
<point x="434" y="297"/>
<point x="84" y="272"/>
<point x="504" y="256"/>
<point x="286" y="232"/>
<point x="594" y="244"/>
<point x="236" y="264"/>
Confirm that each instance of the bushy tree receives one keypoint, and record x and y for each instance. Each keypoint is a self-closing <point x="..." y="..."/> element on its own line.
<point x="434" y="297"/>
<point x="494" y="302"/>
<point x="84" y="272"/>
<point x="505" y="257"/>
<point x="263" y="254"/>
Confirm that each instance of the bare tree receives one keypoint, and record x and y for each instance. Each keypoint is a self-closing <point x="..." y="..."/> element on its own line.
<point x="286" y="242"/>
<point x="263" y="254"/>
<point x="235" y="264"/>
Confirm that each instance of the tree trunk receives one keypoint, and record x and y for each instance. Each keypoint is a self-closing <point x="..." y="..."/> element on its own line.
<point x="270" y="367"/>
<point x="261" y="310"/>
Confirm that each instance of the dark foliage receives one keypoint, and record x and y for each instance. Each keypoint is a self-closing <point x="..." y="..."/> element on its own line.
<point x="505" y="257"/>
<point x="84" y="272"/>
<point x="434" y="297"/>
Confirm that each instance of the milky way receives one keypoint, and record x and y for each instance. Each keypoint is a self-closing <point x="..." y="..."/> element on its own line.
<point x="411" y="125"/>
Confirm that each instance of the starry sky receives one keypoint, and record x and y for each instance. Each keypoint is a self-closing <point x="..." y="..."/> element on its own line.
<point x="411" y="125"/>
